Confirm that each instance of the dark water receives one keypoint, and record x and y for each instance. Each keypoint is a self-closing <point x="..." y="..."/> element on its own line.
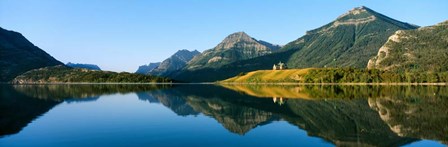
<point x="230" y="115"/>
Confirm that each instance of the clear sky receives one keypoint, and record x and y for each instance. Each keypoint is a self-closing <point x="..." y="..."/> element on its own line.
<point x="121" y="35"/>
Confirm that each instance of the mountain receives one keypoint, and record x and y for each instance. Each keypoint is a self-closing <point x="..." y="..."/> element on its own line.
<point x="236" y="46"/>
<point x="349" y="41"/>
<point x="86" y="66"/>
<point x="421" y="50"/>
<point x="18" y="55"/>
<point x="145" y="69"/>
<point x="176" y="62"/>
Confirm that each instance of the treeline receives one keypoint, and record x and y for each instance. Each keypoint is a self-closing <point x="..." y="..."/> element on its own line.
<point x="62" y="74"/>
<point x="351" y="75"/>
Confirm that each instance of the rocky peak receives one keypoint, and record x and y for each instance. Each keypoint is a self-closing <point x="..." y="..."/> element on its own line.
<point x="358" y="10"/>
<point x="145" y="69"/>
<point x="361" y="15"/>
<point x="185" y="51"/>
<point x="235" y="38"/>
<point x="357" y="15"/>
<point x="185" y="55"/>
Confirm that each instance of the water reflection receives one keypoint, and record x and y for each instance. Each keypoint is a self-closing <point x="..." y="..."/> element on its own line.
<point x="169" y="98"/>
<point x="342" y="115"/>
<point x="20" y="104"/>
<point x="409" y="111"/>
<point x="64" y="92"/>
<point x="18" y="109"/>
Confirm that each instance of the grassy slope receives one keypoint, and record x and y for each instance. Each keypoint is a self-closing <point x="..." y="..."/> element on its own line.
<point x="290" y="75"/>
<point x="336" y="75"/>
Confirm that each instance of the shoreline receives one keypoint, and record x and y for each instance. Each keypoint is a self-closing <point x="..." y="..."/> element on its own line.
<point x="382" y="84"/>
<point x="87" y="83"/>
<point x="233" y="83"/>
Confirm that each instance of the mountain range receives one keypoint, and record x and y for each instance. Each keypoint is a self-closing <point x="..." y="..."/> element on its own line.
<point x="349" y="41"/>
<point x="360" y="38"/>
<point x="235" y="47"/>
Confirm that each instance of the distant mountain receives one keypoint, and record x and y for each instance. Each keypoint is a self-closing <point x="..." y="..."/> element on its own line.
<point x="174" y="63"/>
<point x="86" y="66"/>
<point x="421" y="50"/>
<point x="235" y="47"/>
<point x="145" y="69"/>
<point x="349" y="41"/>
<point x="18" y="55"/>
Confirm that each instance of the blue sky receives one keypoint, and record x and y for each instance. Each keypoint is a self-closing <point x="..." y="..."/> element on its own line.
<point x="121" y="35"/>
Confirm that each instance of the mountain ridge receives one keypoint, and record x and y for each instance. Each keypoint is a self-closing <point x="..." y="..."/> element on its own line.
<point x="145" y="69"/>
<point x="175" y="62"/>
<point x="18" y="55"/>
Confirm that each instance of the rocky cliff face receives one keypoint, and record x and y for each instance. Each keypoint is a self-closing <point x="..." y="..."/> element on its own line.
<point x="145" y="69"/>
<point x="18" y="55"/>
<point x="420" y="50"/>
<point x="235" y="47"/>
<point x="174" y="63"/>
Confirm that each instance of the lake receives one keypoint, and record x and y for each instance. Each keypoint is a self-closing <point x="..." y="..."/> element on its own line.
<point x="223" y="115"/>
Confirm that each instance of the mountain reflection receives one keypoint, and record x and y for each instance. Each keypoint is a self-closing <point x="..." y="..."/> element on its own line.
<point x="340" y="121"/>
<point x="21" y="104"/>
<point x="343" y="115"/>
<point x="173" y="100"/>
<point x="18" y="109"/>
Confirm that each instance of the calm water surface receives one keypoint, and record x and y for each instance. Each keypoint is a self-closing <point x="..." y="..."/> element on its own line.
<point x="226" y="115"/>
